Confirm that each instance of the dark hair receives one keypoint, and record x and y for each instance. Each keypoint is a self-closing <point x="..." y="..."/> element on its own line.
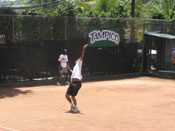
<point x="65" y="51"/>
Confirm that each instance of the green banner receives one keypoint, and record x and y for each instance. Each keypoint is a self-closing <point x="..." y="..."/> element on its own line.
<point x="103" y="36"/>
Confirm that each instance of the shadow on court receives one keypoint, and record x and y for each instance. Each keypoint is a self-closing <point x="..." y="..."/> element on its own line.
<point x="74" y="112"/>
<point x="28" y="84"/>
<point x="11" y="92"/>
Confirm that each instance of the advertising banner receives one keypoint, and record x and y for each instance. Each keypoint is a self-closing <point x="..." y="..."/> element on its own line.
<point x="103" y="36"/>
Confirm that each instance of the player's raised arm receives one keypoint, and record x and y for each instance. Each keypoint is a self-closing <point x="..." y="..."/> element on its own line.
<point x="82" y="53"/>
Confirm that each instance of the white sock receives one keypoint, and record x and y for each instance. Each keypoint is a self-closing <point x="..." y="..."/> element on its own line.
<point x="72" y="103"/>
<point x="76" y="107"/>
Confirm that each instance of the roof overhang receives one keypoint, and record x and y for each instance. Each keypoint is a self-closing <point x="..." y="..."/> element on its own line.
<point x="160" y="35"/>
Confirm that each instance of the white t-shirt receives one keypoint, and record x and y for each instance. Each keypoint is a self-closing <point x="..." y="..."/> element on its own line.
<point x="76" y="73"/>
<point x="63" y="60"/>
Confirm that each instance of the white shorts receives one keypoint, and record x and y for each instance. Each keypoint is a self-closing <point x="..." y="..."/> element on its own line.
<point x="64" y="71"/>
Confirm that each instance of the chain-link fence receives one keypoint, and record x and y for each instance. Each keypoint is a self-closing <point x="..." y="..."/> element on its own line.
<point x="31" y="45"/>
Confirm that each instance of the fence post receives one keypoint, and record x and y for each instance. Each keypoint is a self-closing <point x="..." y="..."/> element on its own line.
<point x="65" y="27"/>
<point x="13" y="28"/>
<point x="143" y="50"/>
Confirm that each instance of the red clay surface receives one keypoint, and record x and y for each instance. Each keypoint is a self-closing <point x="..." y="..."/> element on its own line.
<point x="136" y="104"/>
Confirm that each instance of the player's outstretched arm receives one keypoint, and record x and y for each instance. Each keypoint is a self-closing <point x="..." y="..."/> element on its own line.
<point x="82" y="53"/>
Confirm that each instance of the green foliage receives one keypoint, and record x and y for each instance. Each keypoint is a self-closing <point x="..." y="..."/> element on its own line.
<point x="93" y="13"/>
<point x="8" y="11"/>
<point x="165" y="8"/>
<point x="155" y="9"/>
<point x="119" y="11"/>
<point x="63" y="8"/>
<point x="157" y="13"/>
<point x="104" y="9"/>
<point x="105" y="5"/>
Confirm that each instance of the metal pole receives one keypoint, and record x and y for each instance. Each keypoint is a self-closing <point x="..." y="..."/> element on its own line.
<point x="65" y="23"/>
<point x="143" y="51"/>
<point x="13" y="28"/>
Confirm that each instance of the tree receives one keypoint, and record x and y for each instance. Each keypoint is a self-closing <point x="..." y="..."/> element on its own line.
<point x="133" y="8"/>
<point x="7" y="11"/>
<point x="63" y="8"/>
<point x="102" y="8"/>
<point x="163" y="9"/>
<point x="105" y="5"/>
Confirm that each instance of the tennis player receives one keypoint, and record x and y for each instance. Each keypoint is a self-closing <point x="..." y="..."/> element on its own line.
<point x="75" y="85"/>
<point x="64" y="67"/>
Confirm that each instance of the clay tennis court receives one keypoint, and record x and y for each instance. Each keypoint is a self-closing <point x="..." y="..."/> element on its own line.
<point x="135" y="104"/>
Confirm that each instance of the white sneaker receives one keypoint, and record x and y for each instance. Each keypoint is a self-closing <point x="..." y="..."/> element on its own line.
<point x="75" y="109"/>
<point x="58" y="83"/>
<point x="67" y="82"/>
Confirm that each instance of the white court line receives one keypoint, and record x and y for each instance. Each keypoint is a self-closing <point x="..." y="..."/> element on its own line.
<point x="29" y="120"/>
<point x="9" y="129"/>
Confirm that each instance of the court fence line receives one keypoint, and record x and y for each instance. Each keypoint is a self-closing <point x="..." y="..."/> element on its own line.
<point x="30" y="45"/>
